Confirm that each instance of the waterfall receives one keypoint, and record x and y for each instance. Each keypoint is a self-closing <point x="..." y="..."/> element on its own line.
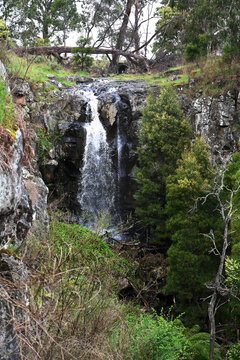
<point x="97" y="193"/>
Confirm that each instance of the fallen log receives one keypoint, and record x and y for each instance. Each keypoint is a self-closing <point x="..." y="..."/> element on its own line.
<point x="58" y="50"/>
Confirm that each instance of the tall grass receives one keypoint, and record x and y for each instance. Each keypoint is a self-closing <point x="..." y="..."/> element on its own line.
<point x="6" y="108"/>
<point x="35" y="69"/>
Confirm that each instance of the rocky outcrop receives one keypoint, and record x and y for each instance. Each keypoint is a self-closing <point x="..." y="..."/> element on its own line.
<point x="15" y="205"/>
<point x="23" y="195"/>
<point x="13" y="305"/>
<point x="216" y="120"/>
<point x="23" y="202"/>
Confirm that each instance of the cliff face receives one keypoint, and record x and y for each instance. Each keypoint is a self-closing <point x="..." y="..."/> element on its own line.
<point x="23" y="201"/>
<point x="216" y="119"/>
<point x="60" y="118"/>
<point x="23" y="195"/>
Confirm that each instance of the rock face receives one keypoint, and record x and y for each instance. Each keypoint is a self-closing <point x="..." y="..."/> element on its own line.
<point x="13" y="300"/>
<point x="15" y="205"/>
<point x="216" y="120"/>
<point x="60" y="120"/>
<point x="120" y="107"/>
<point x="23" y="195"/>
<point x="23" y="200"/>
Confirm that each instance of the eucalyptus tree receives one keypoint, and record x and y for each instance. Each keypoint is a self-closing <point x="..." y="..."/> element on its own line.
<point x="46" y="19"/>
<point x="209" y="25"/>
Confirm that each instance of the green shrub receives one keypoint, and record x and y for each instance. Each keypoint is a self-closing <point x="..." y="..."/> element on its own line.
<point x="151" y="337"/>
<point x="234" y="352"/>
<point x="230" y="52"/>
<point x="6" y="108"/>
<point x="73" y="277"/>
<point x="3" y="30"/>
<point x="81" y="59"/>
<point x="192" y="52"/>
<point x="45" y="142"/>
<point x="85" y="247"/>
<point x="198" y="345"/>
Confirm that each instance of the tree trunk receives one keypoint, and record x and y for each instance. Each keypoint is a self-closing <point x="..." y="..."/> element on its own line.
<point x="121" y="36"/>
<point x="211" y="316"/>
<point x="136" y="33"/>
<point x="57" y="50"/>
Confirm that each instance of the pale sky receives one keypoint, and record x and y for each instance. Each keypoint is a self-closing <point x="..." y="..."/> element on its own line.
<point x="73" y="37"/>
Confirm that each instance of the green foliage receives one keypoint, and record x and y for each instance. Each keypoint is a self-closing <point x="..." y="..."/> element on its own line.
<point x="198" y="48"/>
<point x="45" y="142"/>
<point x="73" y="278"/>
<point x="231" y="180"/>
<point x="234" y="352"/>
<point x="159" y="337"/>
<point x="85" y="247"/>
<point x="230" y="51"/>
<point x="151" y="337"/>
<point x="81" y="59"/>
<point x="232" y="267"/>
<point x="163" y="136"/>
<point x="192" y="52"/>
<point x="206" y="26"/>
<point x="170" y="37"/>
<point x="40" y="42"/>
<point x="3" y="30"/>
<point x="198" y="345"/>
<point x="6" y="108"/>
<point x="191" y="266"/>
<point x="47" y="19"/>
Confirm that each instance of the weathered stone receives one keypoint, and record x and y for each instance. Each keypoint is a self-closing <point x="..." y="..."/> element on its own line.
<point x="15" y="205"/>
<point x="3" y="72"/>
<point x="13" y="301"/>
<point x="108" y="113"/>
<point x="38" y="193"/>
<point x="20" y="88"/>
<point x="213" y="119"/>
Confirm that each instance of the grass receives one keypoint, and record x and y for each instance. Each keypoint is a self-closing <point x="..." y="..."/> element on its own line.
<point x="74" y="311"/>
<point x="214" y="76"/>
<point x="36" y="72"/>
<point x="211" y="75"/>
<point x="73" y="277"/>
<point x="160" y="79"/>
<point x="7" y="120"/>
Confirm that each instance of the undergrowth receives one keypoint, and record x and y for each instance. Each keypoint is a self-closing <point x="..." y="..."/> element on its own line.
<point x="6" y="108"/>
<point x="73" y="294"/>
<point x="74" y="311"/>
<point x="214" y="76"/>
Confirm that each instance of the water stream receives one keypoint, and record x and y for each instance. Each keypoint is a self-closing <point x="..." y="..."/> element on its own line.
<point x="98" y="188"/>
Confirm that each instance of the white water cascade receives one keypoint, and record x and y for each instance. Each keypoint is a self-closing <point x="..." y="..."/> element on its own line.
<point x="97" y="194"/>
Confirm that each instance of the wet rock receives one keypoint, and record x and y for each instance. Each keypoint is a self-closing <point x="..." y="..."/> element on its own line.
<point x="108" y="110"/>
<point x="15" y="205"/>
<point x="83" y="79"/>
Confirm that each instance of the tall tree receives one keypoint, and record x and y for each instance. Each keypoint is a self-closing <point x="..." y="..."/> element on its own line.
<point x="41" y="18"/>
<point x="163" y="135"/>
<point x="209" y="24"/>
<point x="190" y="263"/>
<point x="121" y="34"/>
